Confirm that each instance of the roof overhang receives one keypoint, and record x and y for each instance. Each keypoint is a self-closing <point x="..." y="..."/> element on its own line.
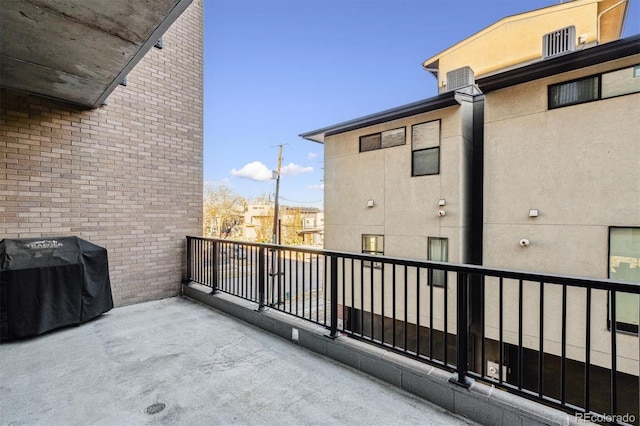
<point x="78" y="51"/>
<point x="584" y="58"/>
<point x="441" y="101"/>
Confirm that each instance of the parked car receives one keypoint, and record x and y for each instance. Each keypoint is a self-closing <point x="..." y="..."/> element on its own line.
<point x="238" y="253"/>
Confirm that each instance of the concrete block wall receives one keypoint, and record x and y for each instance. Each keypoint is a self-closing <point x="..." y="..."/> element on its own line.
<point x="126" y="176"/>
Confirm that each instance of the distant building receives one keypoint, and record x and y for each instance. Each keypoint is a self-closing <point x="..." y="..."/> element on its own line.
<point x="527" y="159"/>
<point x="312" y="231"/>
<point x="297" y="225"/>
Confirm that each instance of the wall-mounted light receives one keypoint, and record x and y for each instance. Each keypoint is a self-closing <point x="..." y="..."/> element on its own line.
<point x="370" y="203"/>
<point x="534" y="213"/>
<point x="442" y="202"/>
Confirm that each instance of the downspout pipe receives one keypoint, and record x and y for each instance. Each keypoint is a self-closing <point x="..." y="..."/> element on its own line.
<point x="471" y="101"/>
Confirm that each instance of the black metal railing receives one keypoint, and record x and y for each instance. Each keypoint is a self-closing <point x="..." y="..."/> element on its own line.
<point x="546" y="337"/>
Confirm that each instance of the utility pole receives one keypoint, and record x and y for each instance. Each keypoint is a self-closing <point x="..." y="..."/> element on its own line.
<point x="276" y="176"/>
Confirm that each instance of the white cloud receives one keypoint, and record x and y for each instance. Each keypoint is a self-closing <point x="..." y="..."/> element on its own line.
<point x="292" y="169"/>
<point x="312" y="155"/>
<point x="319" y="187"/>
<point x="254" y="171"/>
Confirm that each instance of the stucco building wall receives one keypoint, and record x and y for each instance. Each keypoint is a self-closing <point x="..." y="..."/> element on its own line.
<point x="405" y="208"/>
<point x="578" y="165"/>
<point x="126" y="176"/>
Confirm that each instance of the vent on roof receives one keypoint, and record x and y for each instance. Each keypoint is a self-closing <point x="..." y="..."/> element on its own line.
<point x="460" y="77"/>
<point x="559" y="42"/>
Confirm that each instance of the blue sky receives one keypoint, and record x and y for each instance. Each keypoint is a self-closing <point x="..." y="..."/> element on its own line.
<point x="277" y="68"/>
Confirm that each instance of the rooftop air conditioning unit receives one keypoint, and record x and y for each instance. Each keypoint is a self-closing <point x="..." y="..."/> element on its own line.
<point x="559" y="42"/>
<point x="460" y="77"/>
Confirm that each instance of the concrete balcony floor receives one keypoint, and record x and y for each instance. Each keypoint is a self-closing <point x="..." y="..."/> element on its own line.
<point x="204" y="366"/>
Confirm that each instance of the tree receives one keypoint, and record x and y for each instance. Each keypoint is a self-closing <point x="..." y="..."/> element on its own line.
<point x="290" y="225"/>
<point x="223" y="213"/>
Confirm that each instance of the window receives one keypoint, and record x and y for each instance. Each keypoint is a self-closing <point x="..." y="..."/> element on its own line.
<point x="596" y="87"/>
<point x="373" y="245"/>
<point x="439" y="252"/>
<point x="425" y="148"/>
<point x="370" y="142"/>
<point x="624" y="265"/>
<point x="574" y="92"/>
<point x="621" y="82"/>
<point x="384" y="139"/>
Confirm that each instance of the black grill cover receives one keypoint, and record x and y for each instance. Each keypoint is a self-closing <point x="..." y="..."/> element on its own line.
<point x="47" y="283"/>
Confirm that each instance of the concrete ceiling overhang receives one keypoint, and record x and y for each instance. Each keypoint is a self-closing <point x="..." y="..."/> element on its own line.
<point x="78" y="51"/>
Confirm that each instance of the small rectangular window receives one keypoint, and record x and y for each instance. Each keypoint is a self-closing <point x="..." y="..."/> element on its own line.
<point x="574" y="92"/>
<point x="425" y="162"/>
<point x="439" y="252"/>
<point x="621" y="82"/>
<point x="385" y="139"/>
<point x="425" y="148"/>
<point x="624" y="265"/>
<point x="373" y="245"/>
<point x="370" y="142"/>
<point x="393" y="137"/>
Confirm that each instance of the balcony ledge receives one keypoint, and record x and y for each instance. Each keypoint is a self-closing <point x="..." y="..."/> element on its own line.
<point x="480" y="402"/>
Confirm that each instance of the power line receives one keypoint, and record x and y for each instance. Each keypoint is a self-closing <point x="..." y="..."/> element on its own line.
<point x="301" y="202"/>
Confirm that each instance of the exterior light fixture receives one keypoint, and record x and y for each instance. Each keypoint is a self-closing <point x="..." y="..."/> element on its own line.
<point x="442" y="202"/>
<point x="534" y="213"/>
<point x="370" y="203"/>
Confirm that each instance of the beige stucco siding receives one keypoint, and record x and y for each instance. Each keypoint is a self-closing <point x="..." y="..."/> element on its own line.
<point x="580" y="167"/>
<point x="405" y="207"/>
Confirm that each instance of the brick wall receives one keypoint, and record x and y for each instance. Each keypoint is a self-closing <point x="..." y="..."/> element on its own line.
<point x="126" y="176"/>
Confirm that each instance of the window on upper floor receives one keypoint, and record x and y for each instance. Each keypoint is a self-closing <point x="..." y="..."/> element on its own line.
<point x="439" y="252"/>
<point x="621" y="82"/>
<point x="574" y="92"/>
<point x="384" y="139"/>
<point x="425" y="148"/>
<point x="624" y="265"/>
<point x="595" y="87"/>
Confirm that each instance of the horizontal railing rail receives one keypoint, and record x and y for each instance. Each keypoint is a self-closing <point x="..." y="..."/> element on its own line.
<point x="564" y="341"/>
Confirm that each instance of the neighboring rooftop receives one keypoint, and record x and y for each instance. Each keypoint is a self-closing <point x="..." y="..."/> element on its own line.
<point x="540" y="69"/>
<point x="78" y="51"/>
<point x="203" y="366"/>
<point x="518" y="40"/>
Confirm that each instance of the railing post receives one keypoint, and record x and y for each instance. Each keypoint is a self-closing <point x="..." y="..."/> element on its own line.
<point x="334" y="297"/>
<point x="189" y="265"/>
<point x="462" y="332"/>
<point x="216" y="265"/>
<point x="262" y="261"/>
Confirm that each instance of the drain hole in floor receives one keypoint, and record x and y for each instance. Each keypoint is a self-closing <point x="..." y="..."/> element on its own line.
<point x="155" y="408"/>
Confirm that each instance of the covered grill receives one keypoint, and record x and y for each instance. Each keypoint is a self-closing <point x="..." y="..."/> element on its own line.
<point x="47" y="283"/>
